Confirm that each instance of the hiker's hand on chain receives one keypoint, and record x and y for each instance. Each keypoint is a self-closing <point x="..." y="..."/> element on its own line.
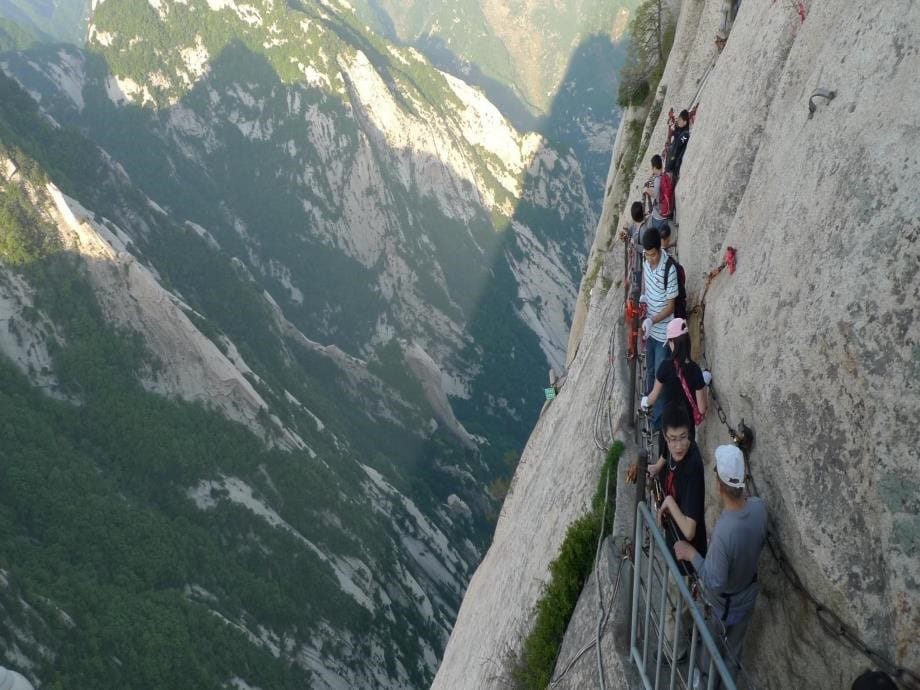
<point x="665" y="508"/>
<point x="707" y="377"/>
<point x="644" y="403"/>
<point x="683" y="550"/>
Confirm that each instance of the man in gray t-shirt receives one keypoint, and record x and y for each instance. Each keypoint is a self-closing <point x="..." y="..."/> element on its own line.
<point x="729" y="570"/>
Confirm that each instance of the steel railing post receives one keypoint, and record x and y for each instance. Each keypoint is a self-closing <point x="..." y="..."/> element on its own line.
<point x="668" y="578"/>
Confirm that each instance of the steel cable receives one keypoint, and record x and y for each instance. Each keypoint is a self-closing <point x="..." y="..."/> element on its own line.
<point x="587" y="647"/>
<point x="597" y="579"/>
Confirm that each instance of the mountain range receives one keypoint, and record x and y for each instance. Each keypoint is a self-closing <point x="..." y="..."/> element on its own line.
<point x="279" y="299"/>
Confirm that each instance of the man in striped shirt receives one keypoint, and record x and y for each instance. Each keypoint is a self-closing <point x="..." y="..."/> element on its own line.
<point x="659" y="304"/>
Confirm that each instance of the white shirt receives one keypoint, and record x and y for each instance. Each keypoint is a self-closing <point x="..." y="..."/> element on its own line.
<point x="657" y="293"/>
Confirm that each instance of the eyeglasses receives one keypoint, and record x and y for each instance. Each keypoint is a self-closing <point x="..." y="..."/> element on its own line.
<point x="677" y="440"/>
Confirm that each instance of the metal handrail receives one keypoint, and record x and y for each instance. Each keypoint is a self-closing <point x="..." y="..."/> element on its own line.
<point x="643" y="582"/>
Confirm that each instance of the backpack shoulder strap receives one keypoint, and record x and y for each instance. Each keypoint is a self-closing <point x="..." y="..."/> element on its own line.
<point x="688" y="394"/>
<point x="667" y="267"/>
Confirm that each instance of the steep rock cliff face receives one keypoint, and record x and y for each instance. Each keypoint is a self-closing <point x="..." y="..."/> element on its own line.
<point x="813" y="341"/>
<point x="550" y="490"/>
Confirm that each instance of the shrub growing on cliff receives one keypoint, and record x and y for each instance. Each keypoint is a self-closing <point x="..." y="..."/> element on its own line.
<point x="651" y="33"/>
<point x="533" y="667"/>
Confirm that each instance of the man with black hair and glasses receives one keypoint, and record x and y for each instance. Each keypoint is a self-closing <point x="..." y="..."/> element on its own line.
<point x="681" y="514"/>
<point x="682" y="483"/>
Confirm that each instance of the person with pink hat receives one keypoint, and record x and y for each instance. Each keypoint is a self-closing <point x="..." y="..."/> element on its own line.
<point x="679" y="380"/>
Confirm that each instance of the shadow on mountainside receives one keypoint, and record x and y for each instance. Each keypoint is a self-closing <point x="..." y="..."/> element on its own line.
<point x="507" y="99"/>
<point x="586" y="103"/>
<point x="582" y="109"/>
<point x="584" y="114"/>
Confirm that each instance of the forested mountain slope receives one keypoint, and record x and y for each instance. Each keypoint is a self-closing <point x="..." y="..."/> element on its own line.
<point x="151" y="542"/>
<point x="279" y="299"/>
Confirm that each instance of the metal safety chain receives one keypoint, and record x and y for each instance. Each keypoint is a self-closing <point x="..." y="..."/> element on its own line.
<point x="828" y="620"/>
<point x="729" y="263"/>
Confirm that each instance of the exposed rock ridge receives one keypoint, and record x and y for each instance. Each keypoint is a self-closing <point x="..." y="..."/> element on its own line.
<point x="193" y="368"/>
<point x="814" y="341"/>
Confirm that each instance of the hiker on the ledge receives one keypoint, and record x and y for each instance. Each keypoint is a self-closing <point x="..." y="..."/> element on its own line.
<point x="667" y="240"/>
<point x="636" y="229"/>
<point x="659" y="288"/>
<point x="679" y="141"/>
<point x="681" y="471"/>
<point x="633" y="234"/>
<point x="729" y="570"/>
<point x="683" y="506"/>
<point x="660" y="191"/>
<point x="679" y="380"/>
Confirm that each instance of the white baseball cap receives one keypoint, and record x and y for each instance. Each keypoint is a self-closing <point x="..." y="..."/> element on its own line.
<point x="730" y="465"/>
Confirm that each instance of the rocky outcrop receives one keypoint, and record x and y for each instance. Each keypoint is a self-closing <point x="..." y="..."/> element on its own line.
<point x="813" y="341"/>
<point x="191" y="366"/>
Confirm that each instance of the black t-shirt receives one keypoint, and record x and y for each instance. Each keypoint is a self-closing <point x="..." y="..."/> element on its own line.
<point x="673" y="391"/>
<point x="684" y="480"/>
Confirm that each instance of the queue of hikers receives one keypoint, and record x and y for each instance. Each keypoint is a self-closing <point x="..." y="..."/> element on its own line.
<point x="675" y="397"/>
<point x="724" y="565"/>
